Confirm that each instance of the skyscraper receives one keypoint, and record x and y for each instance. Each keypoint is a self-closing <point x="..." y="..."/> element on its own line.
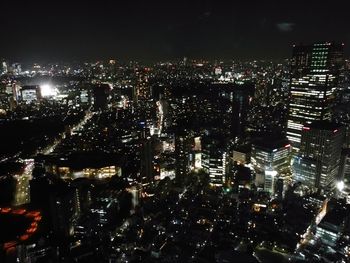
<point x="318" y="161"/>
<point x="215" y="164"/>
<point x="239" y="96"/>
<point x="271" y="153"/>
<point x="182" y="152"/>
<point x="214" y="161"/>
<point x="146" y="160"/>
<point x="314" y="78"/>
<point x="101" y="96"/>
<point x="271" y="160"/>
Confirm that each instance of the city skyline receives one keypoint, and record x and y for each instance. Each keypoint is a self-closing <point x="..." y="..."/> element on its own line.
<point x="194" y="131"/>
<point x="189" y="161"/>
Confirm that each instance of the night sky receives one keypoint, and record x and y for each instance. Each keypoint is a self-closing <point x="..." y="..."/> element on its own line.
<point x="151" y="30"/>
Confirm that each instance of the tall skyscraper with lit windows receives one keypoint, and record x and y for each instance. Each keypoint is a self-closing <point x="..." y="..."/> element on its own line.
<point x="314" y="77"/>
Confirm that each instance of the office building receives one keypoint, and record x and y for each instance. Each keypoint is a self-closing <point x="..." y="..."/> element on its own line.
<point x="183" y="142"/>
<point x="240" y="97"/>
<point x="101" y="94"/>
<point x="271" y="161"/>
<point x="315" y="72"/>
<point x="57" y="201"/>
<point x="147" y="154"/>
<point x="30" y="93"/>
<point x="104" y="210"/>
<point x="7" y="190"/>
<point x="241" y="154"/>
<point x="317" y="164"/>
<point x="344" y="171"/>
<point x="214" y="161"/>
<point x="136" y="193"/>
<point x="270" y="179"/>
<point x="331" y="227"/>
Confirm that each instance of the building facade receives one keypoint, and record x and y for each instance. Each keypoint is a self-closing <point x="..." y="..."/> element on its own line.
<point x="317" y="164"/>
<point x="271" y="161"/>
<point x="215" y="164"/>
<point x="315" y="72"/>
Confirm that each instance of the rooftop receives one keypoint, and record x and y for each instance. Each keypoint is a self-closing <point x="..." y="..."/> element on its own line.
<point x="323" y="125"/>
<point x="271" y="142"/>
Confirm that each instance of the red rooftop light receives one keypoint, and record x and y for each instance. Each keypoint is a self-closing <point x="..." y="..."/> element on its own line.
<point x="5" y="210"/>
<point x="19" y="211"/>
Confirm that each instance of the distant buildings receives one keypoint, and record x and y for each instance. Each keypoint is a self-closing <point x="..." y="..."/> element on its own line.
<point x="30" y="93"/>
<point x="179" y="156"/>
<point x="240" y="97"/>
<point x="4" y="67"/>
<point x="314" y="79"/>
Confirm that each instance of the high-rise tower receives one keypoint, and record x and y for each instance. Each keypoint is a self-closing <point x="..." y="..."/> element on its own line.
<point x="317" y="163"/>
<point x="314" y="78"/>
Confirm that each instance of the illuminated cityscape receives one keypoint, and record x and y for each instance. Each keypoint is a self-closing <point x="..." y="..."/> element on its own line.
<point x="188" y="131"/>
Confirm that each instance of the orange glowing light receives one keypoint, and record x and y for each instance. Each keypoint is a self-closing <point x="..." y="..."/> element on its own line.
<point x="19" y="211"/>
<point x="5" y="210"/>
<point x="37" y="218"/>
<point x="24" y="237"/>
<point x="33" y="214"/>
<point x="10" y="244"/>
<point x="31" y="230"/>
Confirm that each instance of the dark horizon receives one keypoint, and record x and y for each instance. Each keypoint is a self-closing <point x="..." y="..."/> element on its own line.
<point x="157" y="31"/>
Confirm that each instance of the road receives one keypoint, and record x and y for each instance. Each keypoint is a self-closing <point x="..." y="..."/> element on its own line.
<point x="74" y="129"/>
<point x="22" y="192"/>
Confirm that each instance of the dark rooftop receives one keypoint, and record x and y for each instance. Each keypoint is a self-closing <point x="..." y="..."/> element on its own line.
<point x="80" y="160"/>
<point x="271" y="142"/>
<point x="324" y="125"/>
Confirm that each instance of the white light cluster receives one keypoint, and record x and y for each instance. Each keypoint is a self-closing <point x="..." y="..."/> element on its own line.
<point x="47" y="90"/>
